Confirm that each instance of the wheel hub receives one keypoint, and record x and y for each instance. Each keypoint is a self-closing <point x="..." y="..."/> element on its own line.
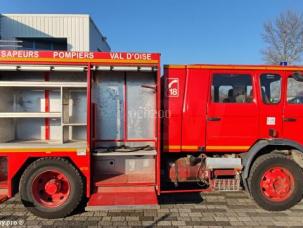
<point x="52" y="187"/>
<point x="277" y="184"/>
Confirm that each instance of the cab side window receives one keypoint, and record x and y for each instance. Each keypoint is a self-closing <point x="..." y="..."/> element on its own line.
<point x="294" y="91"/>
<point x="232" y="88"/>
<point x="271" y="88"/>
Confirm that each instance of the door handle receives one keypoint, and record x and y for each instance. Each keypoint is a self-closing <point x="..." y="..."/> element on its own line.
<point x="213" y="119"/>
<point x="289" y="119"/>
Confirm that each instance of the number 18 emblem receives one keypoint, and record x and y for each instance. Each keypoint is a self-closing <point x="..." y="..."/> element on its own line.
<point x="173" y="87"/>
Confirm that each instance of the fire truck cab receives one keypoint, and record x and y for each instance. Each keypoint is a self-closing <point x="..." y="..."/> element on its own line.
<point x="235" y="126"/>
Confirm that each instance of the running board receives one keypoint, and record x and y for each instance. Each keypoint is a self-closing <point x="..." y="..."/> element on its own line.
<point x="130" y="197"/>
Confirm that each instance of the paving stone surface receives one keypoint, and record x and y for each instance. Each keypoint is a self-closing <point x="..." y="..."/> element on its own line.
<point x="229" y="209"/>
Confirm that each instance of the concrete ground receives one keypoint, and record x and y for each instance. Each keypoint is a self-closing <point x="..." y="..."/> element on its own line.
<point x="233" y="209"/>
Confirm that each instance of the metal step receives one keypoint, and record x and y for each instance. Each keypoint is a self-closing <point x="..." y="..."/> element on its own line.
<point x="227" y="185"/>
<point x="130" y="197"/>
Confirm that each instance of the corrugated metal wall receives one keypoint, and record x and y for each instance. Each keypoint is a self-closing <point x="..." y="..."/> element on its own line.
<point x="73" y="27"/>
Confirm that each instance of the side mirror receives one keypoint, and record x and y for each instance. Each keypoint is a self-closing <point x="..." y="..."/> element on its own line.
<point x="298" y="76"/>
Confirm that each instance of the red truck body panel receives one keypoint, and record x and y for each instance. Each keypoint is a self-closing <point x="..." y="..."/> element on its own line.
<point x="184" y="129"/>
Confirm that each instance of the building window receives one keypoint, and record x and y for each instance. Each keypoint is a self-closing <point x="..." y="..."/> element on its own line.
<point x="45" y="44"/>
<point x="232" y="88"/>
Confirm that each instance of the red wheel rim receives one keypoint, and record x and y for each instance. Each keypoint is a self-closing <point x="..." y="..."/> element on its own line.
<point x="277" y="184"/>
<point x="51" y="188"/>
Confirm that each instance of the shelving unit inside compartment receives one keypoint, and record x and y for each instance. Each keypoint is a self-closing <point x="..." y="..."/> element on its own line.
<point x="74" y="106"/>
<point x="36" y="109"/>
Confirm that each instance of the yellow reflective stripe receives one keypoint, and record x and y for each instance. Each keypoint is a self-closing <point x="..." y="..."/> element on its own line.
<point x="227" y="147"/>
<point x="170" y="147"/>
<point x="177" y="147"/>
<point x="78" y="60"/>
<point x="190" y="147"/>
<point x="187" y="147"/>
<point x="175" y="66"/>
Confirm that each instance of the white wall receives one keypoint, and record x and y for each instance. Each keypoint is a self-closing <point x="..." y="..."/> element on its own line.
<point x="76" y="28"/>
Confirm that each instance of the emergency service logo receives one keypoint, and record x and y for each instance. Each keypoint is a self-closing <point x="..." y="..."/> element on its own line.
<point x="172" y="87"/>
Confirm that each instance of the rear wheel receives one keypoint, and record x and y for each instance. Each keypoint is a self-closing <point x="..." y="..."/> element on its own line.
<point x="51" y="188"/>
<point x="276" y="182"/>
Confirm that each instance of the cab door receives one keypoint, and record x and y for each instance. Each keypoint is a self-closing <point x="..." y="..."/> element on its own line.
<point x="293" y="107"/>
<point x="270" y="98"/>
<point x="232" y="114"/>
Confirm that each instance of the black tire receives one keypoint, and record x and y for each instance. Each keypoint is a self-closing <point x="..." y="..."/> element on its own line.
<point x="43" y="165"/>
<point x="260" y="167"/>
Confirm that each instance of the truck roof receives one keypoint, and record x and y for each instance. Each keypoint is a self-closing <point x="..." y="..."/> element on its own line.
<point x="234" y="67"/>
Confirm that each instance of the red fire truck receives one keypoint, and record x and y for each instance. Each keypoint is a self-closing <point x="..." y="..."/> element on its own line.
<point x="106" y="127"/>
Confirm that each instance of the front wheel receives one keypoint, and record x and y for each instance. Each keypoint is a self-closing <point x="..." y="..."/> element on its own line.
<point x="276" y="182"/>
<point x="51" y="188"/>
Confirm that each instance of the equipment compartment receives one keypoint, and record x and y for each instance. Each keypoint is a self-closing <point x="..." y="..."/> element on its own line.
<point x="126" y="169"/>
<point x="125" y="108"/>
<point x="124" y="127"/>
<point x="42" y="108"/>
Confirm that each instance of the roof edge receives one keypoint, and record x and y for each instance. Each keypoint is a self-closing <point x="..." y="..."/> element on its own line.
<point x="42" y="14"/>
<point x="233" y="67"/>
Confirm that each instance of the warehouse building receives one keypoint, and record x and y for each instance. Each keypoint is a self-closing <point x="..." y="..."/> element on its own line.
<point x="66" y="32"/>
